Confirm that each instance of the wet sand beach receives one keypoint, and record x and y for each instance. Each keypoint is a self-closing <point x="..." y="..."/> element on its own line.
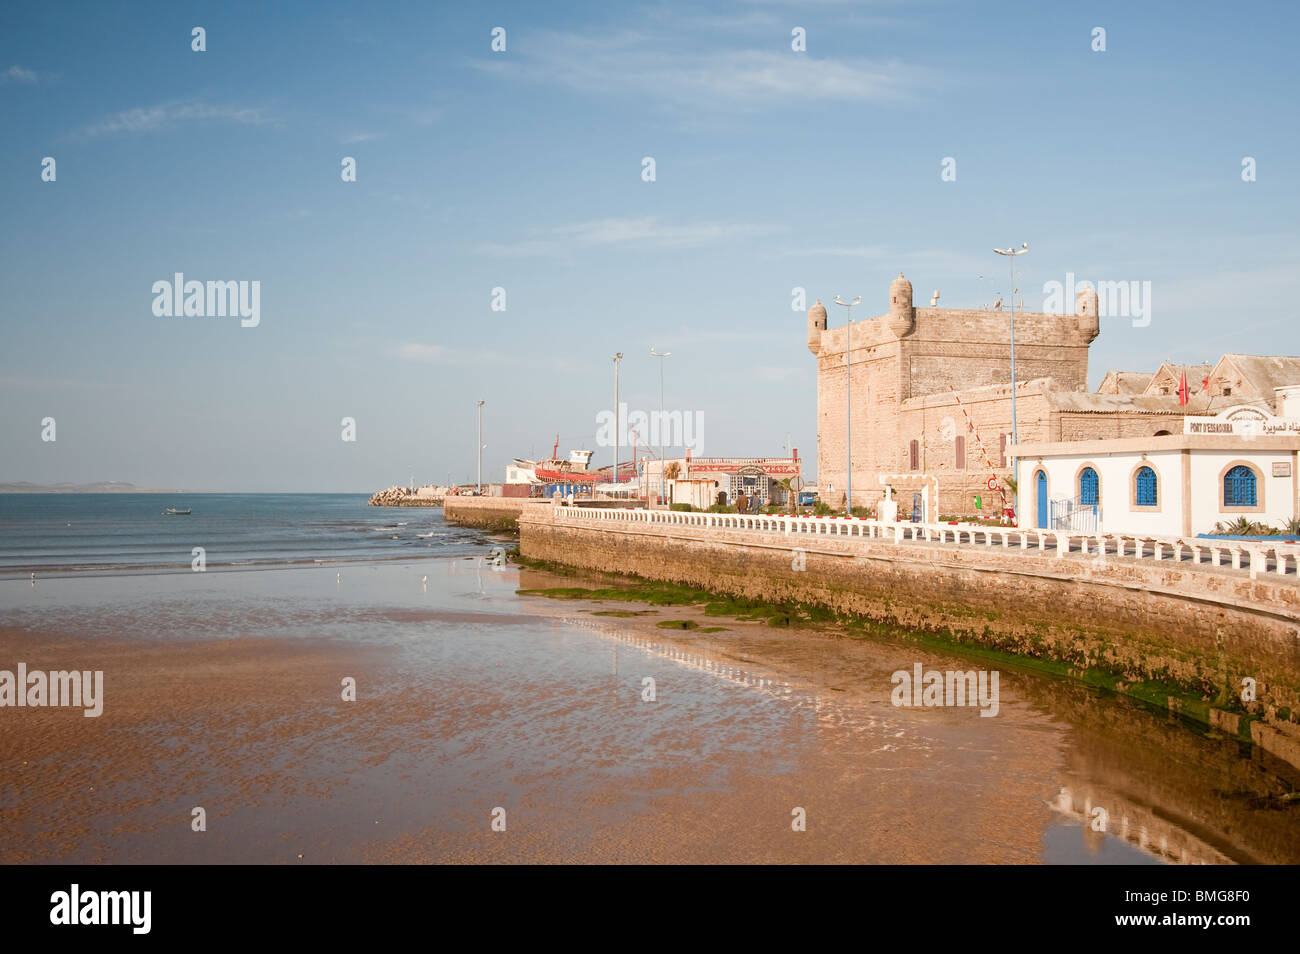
<point x="223" y="690"/>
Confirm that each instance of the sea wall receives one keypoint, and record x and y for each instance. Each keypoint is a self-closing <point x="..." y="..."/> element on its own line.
<point x="488" y="513"/>
<point x="1198" y="632"/>
<point x="502" y="513"/>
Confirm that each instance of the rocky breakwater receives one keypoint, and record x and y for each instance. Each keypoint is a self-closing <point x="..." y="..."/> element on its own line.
<point x="407" y="497"/>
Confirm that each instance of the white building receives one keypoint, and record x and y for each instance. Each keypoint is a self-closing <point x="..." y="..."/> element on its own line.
<point x="699" y="492"/>
<point x="1241" y="463"/>
<point x="731" y="476"/>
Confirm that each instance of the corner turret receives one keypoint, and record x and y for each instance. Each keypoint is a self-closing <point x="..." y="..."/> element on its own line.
<point x="902" y="315"/>
<point x="816" y="325"/>
<point x="1086" y="317"/>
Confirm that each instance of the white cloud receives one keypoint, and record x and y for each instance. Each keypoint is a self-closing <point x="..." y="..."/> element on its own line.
<point x="359" y="137"/>
<point x="17" y="74"/>
<point x="656" y="66"/>
<point x="646" y="232"/>
<point x="155" y="118"/>
<point x="416" y="115"/>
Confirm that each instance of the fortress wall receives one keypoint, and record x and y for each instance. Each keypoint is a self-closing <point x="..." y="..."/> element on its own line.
<point x="1073" y="426"/>
<point x="875" y="422"/>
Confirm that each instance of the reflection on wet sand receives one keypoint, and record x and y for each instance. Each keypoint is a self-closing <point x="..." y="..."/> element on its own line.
<point x="1147" y="779"/>
<point x="1168" y="788"/>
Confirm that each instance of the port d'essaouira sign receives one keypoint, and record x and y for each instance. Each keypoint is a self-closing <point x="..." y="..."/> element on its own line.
<point x="1243" y="421"/>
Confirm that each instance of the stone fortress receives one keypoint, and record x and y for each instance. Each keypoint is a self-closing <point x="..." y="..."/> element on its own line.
<point x="915" y="375"/>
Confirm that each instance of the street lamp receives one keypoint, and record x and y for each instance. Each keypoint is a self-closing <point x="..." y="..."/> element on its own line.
<point x="617" y="423"/>
<point x="1011" y="254"/>
<point x="848" y="402"/>
<point x="661" y="357"/>
<point x="480" y="447"/>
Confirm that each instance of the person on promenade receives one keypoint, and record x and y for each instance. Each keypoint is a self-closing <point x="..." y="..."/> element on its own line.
<point x="742" y="502"/>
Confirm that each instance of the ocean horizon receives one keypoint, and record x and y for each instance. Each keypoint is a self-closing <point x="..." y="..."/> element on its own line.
<point x="129" y="532"/>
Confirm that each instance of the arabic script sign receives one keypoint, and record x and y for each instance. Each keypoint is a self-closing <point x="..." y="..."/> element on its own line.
<point x="1243" y="422"/>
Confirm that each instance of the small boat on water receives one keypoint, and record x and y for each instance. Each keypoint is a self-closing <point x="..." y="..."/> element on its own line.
<point x="173" y="512"/>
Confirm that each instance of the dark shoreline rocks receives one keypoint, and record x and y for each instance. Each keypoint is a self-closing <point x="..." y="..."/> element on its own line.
<point x="402" y="497"/>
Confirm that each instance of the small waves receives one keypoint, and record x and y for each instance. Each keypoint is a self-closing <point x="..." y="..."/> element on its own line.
<point x="123" y="532"/>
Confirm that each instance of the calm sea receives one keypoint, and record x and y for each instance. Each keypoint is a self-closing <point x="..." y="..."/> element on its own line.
<point x="131" y="532"/>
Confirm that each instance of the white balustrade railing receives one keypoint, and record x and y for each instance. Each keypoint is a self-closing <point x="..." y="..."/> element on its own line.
<point x="1200" y="552"/>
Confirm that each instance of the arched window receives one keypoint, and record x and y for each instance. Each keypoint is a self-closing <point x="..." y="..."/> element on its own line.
<point x="914" y="455"/>
<point x="1145" y="493"/>
<point x="1088" y="487"/>
<point x="1040" y="481"/>
<point x="1161" y="434"/>
<point x="1239" y="487"/>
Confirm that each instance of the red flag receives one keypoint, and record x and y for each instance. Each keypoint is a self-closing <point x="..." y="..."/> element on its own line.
<point x="1183" y="395"/>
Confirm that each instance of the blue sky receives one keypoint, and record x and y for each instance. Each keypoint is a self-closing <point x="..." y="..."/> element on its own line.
<point x="775" y="169"/>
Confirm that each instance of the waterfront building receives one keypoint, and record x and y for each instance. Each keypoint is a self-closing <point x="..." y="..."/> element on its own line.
<point x="932" y="409"/>
<point x="1243" y="462"/>
<point x="729" y="476"/>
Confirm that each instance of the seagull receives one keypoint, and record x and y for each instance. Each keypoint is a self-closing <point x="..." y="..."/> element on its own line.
<point x="338" y="577"/>
<point x="998" y="303"/>
<point x="33" y="579"/>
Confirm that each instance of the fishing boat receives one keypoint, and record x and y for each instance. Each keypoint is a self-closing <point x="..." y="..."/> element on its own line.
<point x="576" y="470"/>
<point x="173" y="512"/>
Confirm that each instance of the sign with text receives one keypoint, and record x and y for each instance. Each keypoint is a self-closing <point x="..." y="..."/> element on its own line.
<point x="1243" y="422"/>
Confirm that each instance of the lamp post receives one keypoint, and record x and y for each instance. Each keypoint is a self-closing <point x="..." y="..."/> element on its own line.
<point x="848" y="402"/>
<point x="617" y="422"/>
<point x="480" y="447"/>
<point x="661" y="357"/>
<point x="1011" y="254"/>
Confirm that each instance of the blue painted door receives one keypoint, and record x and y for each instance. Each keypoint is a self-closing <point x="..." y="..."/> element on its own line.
<point x="1042" y="500"/>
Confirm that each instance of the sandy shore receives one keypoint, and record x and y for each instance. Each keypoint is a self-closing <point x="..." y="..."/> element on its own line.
<point x="225" y="693"/>
<point x="220" y="724"/>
